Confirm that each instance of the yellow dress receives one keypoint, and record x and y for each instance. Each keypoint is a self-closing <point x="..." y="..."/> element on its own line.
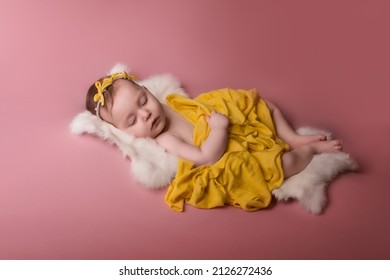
<point x="251" y="166"/>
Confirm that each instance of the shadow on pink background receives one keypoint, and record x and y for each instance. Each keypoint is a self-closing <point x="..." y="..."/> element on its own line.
<point x="326" y="63"/>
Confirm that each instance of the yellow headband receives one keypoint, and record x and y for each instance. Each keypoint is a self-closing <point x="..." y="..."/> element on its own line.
<point x="102" y="86"/>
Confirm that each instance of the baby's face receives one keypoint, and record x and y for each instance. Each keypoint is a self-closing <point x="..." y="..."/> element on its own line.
<point x="134" y="110"/>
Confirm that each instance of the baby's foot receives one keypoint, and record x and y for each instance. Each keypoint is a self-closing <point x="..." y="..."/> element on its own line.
<point x="301" y="140"/>
<point x="329" y="146"/>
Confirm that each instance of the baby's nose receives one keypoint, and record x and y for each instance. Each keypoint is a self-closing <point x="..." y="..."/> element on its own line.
<point x="144" y="114"/>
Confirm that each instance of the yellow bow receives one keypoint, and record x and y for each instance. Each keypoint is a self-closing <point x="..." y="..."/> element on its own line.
<point x="101" y="86"/>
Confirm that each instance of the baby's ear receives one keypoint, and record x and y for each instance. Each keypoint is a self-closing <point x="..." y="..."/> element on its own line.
<point x="119" y="67"/>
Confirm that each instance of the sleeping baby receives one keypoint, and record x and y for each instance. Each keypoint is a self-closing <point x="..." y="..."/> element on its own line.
<point x="234" y="147"/>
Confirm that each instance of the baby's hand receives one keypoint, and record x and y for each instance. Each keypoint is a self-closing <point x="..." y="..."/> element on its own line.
<point x="217" y="120"/>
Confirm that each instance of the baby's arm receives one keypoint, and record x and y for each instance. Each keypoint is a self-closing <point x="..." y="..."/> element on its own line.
<point x="209" y="152"/>
<point x="215" y="144"/>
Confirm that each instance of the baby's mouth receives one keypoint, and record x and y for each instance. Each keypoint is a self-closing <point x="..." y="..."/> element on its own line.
<point x="155" y="122"/>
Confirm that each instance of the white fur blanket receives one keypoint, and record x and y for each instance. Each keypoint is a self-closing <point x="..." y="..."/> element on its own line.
<point x="154" y="168"/>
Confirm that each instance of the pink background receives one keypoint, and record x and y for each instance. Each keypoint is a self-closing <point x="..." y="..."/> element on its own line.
<point x="62" y="196"/>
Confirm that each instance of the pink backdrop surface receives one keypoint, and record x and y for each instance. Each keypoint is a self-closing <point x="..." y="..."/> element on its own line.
<point x="62" y="196"/>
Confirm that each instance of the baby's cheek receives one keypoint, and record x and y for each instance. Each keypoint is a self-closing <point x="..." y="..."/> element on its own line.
<point x="141" y="132"/>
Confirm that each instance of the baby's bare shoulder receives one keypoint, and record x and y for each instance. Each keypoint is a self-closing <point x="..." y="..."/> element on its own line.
<point x="167" y="140"/>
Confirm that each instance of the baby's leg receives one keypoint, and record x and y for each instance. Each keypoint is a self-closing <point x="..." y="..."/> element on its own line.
<point x="285" y="131"/>
<point x="297" y="160"/>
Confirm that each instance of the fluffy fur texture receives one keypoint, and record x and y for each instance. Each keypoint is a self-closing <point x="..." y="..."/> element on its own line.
<point x="154" y="168"/>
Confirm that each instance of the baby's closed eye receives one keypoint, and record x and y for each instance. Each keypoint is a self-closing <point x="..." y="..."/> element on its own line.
<point x="131" y="121"/>
<point x="143" y="100"/>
